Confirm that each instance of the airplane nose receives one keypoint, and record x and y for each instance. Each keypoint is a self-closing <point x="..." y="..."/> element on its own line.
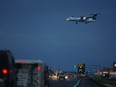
<point x="67" y="19"/>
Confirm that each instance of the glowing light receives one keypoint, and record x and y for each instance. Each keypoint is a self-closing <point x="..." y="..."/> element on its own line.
<point x="39" y="68"/>
<point x="115" y="65"/>
<point x="23" y="61"/>
<point x="5" y="71"/>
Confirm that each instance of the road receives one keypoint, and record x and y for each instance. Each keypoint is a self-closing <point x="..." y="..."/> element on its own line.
<point x="73" y="83"/>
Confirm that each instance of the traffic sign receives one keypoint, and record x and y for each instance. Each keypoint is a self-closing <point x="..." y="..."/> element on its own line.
<point x="81" y="68"/>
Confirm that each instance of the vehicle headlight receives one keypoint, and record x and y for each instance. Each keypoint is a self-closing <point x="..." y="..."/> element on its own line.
<point x="66" y="77"/>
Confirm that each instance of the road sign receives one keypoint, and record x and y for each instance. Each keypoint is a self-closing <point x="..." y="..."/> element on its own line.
<point x="81" y="68"/>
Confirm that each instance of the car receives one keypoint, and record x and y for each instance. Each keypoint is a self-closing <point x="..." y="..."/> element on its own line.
<point x="7" y="69"/>
<point x="61" y="76"/>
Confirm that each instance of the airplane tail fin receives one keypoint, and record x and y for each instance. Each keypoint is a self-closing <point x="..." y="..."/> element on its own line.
<point x="94" y="15"/>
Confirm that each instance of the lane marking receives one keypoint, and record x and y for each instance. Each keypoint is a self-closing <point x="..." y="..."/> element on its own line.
<point x="77" y="83"/>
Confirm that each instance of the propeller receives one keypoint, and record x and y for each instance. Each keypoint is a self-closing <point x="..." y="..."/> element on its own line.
<point x="81" y="17"/>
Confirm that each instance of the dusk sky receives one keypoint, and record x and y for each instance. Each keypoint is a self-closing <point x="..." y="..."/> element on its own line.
<point x="37" y="29"/>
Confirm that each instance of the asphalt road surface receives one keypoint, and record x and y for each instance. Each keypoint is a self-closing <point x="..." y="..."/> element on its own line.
<point x="73" y="83"/>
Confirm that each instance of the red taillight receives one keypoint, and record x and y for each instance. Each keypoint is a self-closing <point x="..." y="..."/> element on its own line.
<point x="46" y="86"/>
<point x="39" y="68"/>
<point x="5" y="71"/>
<point x="22" y="61"/>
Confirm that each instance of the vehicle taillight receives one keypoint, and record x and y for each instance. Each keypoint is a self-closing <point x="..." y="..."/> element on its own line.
<point x="39" y="68"/>
<point x="5" y="71"/>
<point x="22" y="61"/>
<point x="46" y="86"/>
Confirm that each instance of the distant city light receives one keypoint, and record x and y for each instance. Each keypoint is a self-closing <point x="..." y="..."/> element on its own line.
<point x="115" y="65"/>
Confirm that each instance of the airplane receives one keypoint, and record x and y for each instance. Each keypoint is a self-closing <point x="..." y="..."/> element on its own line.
<point x="83" y="19"/>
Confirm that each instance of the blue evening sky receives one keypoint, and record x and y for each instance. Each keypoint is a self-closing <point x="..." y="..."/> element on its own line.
<point x="37" y="29"/>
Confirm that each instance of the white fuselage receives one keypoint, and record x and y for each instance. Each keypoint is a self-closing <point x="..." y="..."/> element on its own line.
<point x="79" y="19"/>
